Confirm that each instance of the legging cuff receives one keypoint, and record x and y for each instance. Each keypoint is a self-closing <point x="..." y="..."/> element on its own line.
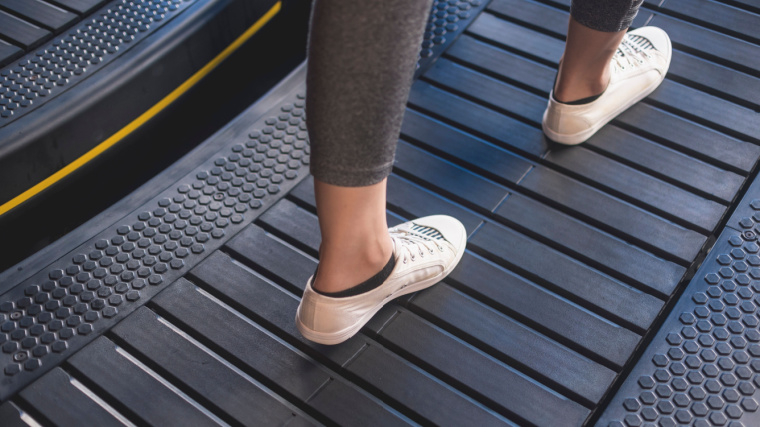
<point x="605" y="15"/>
<point x="355" y="178"/>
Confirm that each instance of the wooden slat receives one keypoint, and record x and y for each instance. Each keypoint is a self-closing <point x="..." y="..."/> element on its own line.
<point x="597" y="247"/>
<point x="81" y="7"/>
<point x="63" y="404"/>
<point x="718" y="47"/>
<point x="287" y="372"/>
<point x="653" y="194"/>
<point x="688" y="135"/>
<point x="232" y="397"/>
<point x="532" y="13"/>
<point x="661" y="237"/>
<point x="454" y="181"/>
<point x="21" y="33"/>
<point x="715" y="78"/>
<point x="126" y="385"/>
<point x="8" y="53"/>
<point x="376" y="367"/>
<point x="508" y="340"/>
<point x="41" y="13"/>
<point x="11" y="415"/>
<point x="516" y="38"/>
<point x="478" y="120"/>
<point x="482" y="375"/>
<point x="707" y="109"/>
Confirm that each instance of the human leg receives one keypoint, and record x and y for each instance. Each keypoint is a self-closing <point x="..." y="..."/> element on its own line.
<point x="362" y="56"/>
<point x="604" y="70"/>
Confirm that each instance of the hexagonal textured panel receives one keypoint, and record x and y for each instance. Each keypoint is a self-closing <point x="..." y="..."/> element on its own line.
<point x="87" y="291"/>
<point x="448" y="19"/>
<point x="703" y="367"/>
<point x="86" y="47"/>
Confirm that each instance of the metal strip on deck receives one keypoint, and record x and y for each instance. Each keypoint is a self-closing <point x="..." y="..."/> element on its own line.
<point x="183" y="311"/>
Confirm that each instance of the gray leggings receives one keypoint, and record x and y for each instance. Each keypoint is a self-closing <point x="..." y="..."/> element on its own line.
<point x="362" y="57"/>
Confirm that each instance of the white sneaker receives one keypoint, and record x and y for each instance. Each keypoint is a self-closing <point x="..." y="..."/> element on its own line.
<point x="426" y="250"/>
<point x="638" y="67"/>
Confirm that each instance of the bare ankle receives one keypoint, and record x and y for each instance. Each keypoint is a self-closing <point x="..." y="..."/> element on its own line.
<point x="343" y="265"/>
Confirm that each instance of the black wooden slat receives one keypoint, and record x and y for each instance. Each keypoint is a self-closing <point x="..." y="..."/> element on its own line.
<point x="637" y="309"/>
<point x="454" y="180"/>
<point x="506" y="339"/>
<point x="234" y="397"/>
<point x="639" y="225"/>
<point x="22" y="33"/>
<point x="127" y="385"/>
<point x="747" y="4"/>
<point x="719" y="47"/>
<point x="541" y="309"/>
<point x="715" y="78"/>
<point x="479" y="120"/>
<point x="708" y="144"/>
<point x="41" y="13"/>
<point x="478" y="155"/>
<point x="63" y="404"/>
<point x="270" y="361"/>
<point x="564" y="275"/>
<point x="630" y="184"/>
<point x="691" y="136"/>
<point x="729" y="117"/>
<point x="719" y="15"/>
<point x="485" y="89"/>
<point x="11" y="416"/>
<point x="628" y="147"/>
<point x="517" y="38"/>
<point x="372" y="364"/>
<point x="8" y="53"/>
<point x="288" y="268"/>
<point x="532" y="13"/>
<point x="81" y="7"/>
<point x="413" y="201"/>
<point x="481" y="374"/>
<point x="695" y="175"/>
<point x="619" y="257"/>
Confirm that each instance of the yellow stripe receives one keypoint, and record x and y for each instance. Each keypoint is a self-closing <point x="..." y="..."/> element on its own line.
<point x="136" y="123"/>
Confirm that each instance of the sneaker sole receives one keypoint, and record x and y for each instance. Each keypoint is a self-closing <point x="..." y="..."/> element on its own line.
<point x="345" y="334"/>
<point x="577" y="138"/>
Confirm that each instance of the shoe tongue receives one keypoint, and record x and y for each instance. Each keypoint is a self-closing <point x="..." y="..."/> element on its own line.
<point x="428" y="232"/>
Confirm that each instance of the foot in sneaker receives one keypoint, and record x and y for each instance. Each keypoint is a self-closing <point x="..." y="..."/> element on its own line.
<point x="638" y="67"/>
<point x="425" y="251"/>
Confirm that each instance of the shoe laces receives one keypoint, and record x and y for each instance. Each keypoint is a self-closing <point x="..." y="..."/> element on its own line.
<point x="416" y="240"/>
<point x="632" y="52"/>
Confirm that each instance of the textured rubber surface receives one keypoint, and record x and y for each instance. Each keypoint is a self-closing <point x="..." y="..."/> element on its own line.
<point x="702" y="368"/>
<point x="47" y="317"/>
<point x="83" y="50"/>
